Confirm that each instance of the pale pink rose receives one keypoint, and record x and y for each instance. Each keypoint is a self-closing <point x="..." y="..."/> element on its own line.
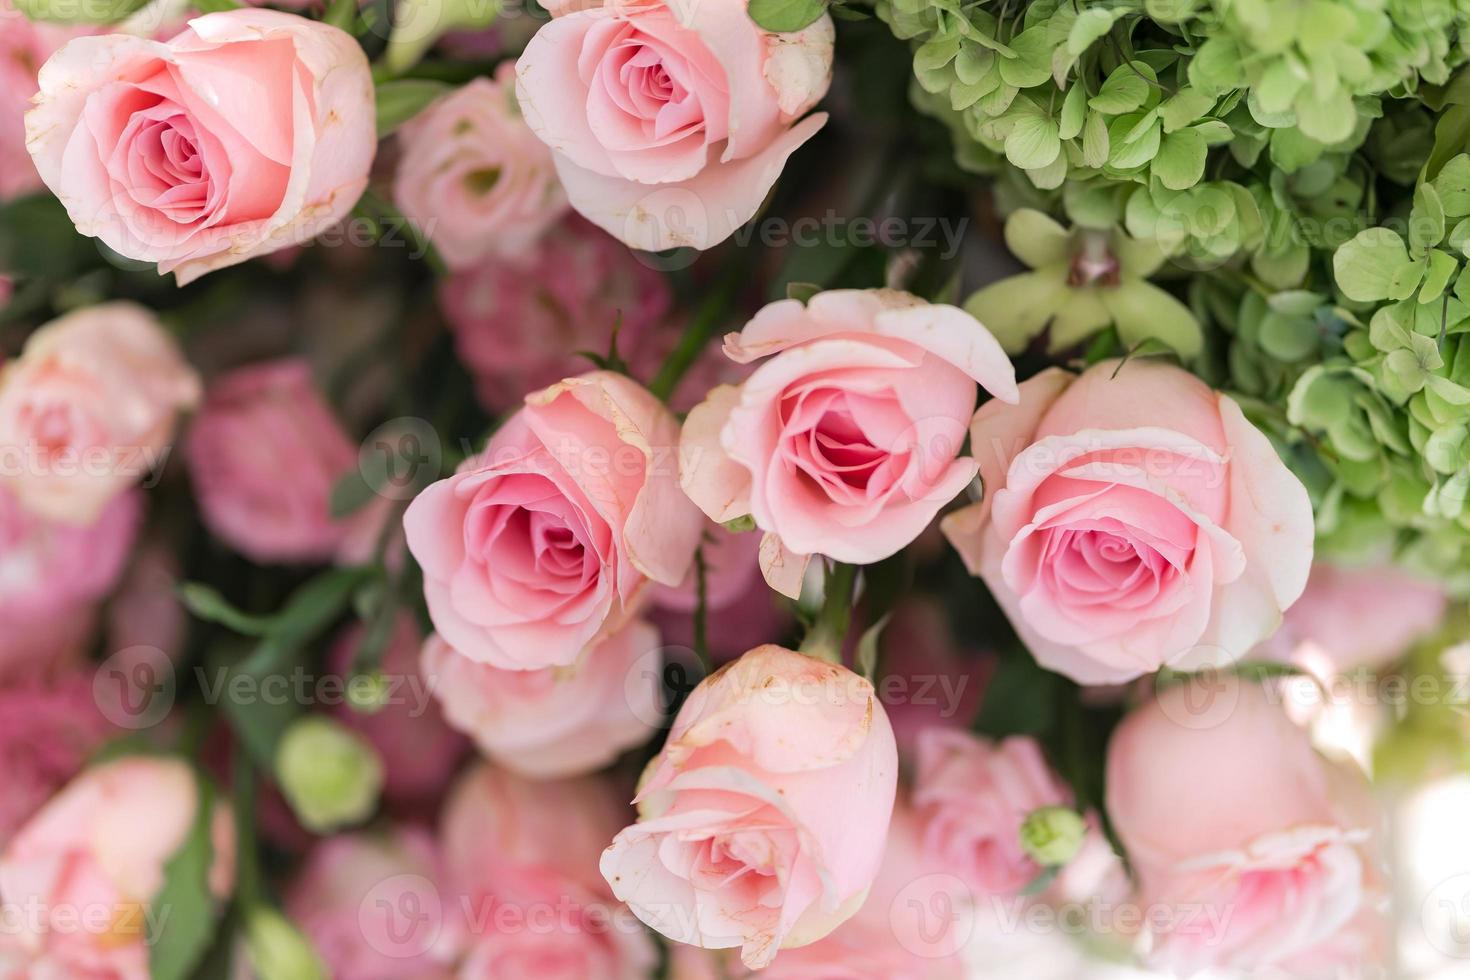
<point x="846" y="442"/>
<point x="249" y="132"/>
<point x="1352" y="616"/>
<point x="89" y="408"/>
<point x="1264" y="849"/>
<point x="1133" y="519"/>
<point x="519" y="324"/>
<point x="971" y="797"/>
<point x="765" y="814"/>
<point x="52" y="579"/>
<point x="671" y="121"/>
<point x="556" y="721"/>
<point x="24" y="48"/>
<point x="521" y="858"/>
<point x="92" y="859"/>
<point x="925" y="679"/>
<point x="367" y="903"/>
<point x="48" y="730"/>
<point x="264" y="453"/>
<point x="474" y="178"/>
<point x="549" y="537"/>
<point x="420" y="752"/>
<point x="740" y="612"/>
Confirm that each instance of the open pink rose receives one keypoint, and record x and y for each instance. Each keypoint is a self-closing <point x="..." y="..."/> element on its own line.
<point x="89" y="408"/>
<point x="671" y="121"/>
<point x="550" y="536"/>
<point x="971" y="797"/>
<point x="846" y="442"/>
<point x="520" y="322"/>
<point x="556" y="721"/>
<point x="765" y="814"/>
<point x="1133" y="519"/>
<point x="91" y="861"/>
<point x="473" y="177"/>
<point x="371" y="906"/>
<point x="264" y="454"/>
<point x="1264" y="850"/>
<point x="249" y="132"/>
<point x="48" y="729"/>
<point x="53" y="577"/>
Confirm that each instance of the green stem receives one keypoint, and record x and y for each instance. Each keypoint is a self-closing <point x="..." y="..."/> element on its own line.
<point x="825" y="638"/>
<point x="701" y="611"/>
<point x="707" y="320"/>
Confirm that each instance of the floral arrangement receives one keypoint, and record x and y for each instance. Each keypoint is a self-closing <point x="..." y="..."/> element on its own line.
<point x="704" y="488"/>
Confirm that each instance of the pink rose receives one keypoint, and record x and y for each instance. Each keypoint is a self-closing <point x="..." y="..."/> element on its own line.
<point x="92" y="859"/>
<point x="1264" y="848"/>
<point x="1358" y="616"/>
<point x="24" y="48"/>
<point x="89" y="408"/>
<point x="1133" y="519"/>
<point x="473" y="178"/>
<point x="521" y="856"/>
<point x="846" y="442"/>
<point x="264" y="453"/>
<point x="549" y="538"/>
<point x="671" y="121"/>
<point x="52" y="579"/>
<point x="48" y="730"/>
<point x="971" y="797"/>
<point x="556" y="721"/>
<point x="765" y="814"/>
<point x="354" y="899"/>
<point x="420" y="752"/>
<point x="518" y="324"/>
<point x="249" y="132"/>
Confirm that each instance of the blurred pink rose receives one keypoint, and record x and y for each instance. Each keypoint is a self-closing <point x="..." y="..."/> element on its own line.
<point x="846" y="442"/>
<point x="1264" y="849"/>
<point x="1358" y="616"/>
<point x="1133" y="519"/>
<point x="925" y="679"/>
<point x="548" y="538"/>
<point x="160" y="151"/>
<point x="89" y="408"/>
<point x="557" y="721"/>
<point x="519" y="324"/>
<point x="670" y="122"/>
<point x="92" y="859"/>
<point x="741" y="613"/>
<point x="24" y="48"/>
<point x="420" y="752"/>
<point x="353" y="898"/>
<point x="474" y="178"/>
<point x="264" y="453"/>
<point x="971" y="797"/>
<point x="742" y="841"/>
<point x="48" y="730"/>
<point x="521" y="857"/>
<point x="52" y="578"/>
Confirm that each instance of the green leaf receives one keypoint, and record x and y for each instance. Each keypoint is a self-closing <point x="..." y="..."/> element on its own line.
<point x="1440" y="268"/>
<point x="1127" y="154"/>
<point x="186" y="911"/>
<point x="209" y="605"/>
<point x="1184" y="107"/>
<point x="1180" y="162"/>
<point x="401" y="100"/>
<point x="1034" y="140"/>
<point x="1030" y="64"/>
<point x="1095" y="142"/>
<point x="1089" y="26"/>
<point x="1426" y="220"/>
<point x="1074" y="113"/>
<point x="1366" y="265"/>
<point x="1453" y="186"/>
<point x="72" y="12"/>
<point x="1124" y="90"/>
<point x="785" y="16"/>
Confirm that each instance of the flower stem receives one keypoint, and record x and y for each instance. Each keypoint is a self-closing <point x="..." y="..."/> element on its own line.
<point x="707" y="320"/>
<point x="825" y="637"/>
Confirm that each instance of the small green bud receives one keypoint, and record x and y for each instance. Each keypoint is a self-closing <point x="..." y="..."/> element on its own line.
<point x="277" y="948"/>
<point x="740" y="524"/>
<point x="1052" y="835"/>
<point x="329" y="774"/>
<point x="368" y="693"/>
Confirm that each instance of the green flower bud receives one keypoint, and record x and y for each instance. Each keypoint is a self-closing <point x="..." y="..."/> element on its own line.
<point x="329" y="774"/>
<point x="1052" y="835"/>
<point x="368" y="693"/>
<point x="278" y="949"/>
